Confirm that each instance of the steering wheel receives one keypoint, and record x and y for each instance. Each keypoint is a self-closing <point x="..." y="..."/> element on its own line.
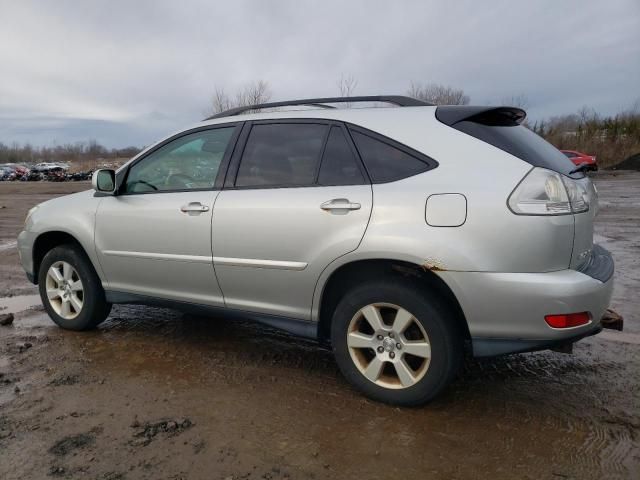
<point x="182" y="180"/>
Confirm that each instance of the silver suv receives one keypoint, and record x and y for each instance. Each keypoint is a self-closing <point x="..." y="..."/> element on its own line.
<point x="401" y="237"/>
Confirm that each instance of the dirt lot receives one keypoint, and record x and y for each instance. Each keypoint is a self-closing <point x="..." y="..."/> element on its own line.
<point x="156" y="394"/>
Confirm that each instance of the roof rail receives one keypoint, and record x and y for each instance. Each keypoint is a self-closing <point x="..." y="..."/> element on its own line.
<point x="398" y="100"/>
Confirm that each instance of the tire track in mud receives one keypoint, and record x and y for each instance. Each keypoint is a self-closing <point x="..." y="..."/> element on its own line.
<point x="608" y="447"/>
<point x="603" y="414"/>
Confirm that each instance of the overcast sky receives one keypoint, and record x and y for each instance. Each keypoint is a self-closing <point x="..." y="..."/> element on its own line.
<point x="129" y="72"/>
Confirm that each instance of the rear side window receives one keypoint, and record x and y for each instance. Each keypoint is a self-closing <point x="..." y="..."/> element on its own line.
<point x="285" y="154"/>
<point x="384" y="162"/>
<point x="520" y="142"/>
<point x="339" y="164"/>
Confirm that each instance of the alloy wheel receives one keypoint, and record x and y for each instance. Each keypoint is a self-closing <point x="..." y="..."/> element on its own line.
<point x="388" y="345"/>
<point x="65" y="291"/>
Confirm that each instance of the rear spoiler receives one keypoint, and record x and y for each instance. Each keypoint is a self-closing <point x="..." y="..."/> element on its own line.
<point x="494" y="116"/>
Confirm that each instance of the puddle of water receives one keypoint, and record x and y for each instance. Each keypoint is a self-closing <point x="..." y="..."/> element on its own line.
<point x="19" y="303"/>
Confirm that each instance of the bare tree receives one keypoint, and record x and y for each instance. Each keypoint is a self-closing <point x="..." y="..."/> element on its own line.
<point x="520" y="101"/>
<point x="587" y="115"/>
<point x="347" y="85"/>
<point x="220" y="101"/>
<point x="438" y="94"/>
<point x="251" y="93"/>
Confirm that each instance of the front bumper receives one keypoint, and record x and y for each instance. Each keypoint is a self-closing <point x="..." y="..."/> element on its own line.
<point x="505" y="311"/>
<point x="25" y="251"/>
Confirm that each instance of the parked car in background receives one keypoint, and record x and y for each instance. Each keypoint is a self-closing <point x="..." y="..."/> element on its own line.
<point x="371" y="230"/>
<point x="46" y="166"/>
<point x="21" y="170"/>
<point x="52" y="172"/>
<point x="18" y="169"/>
<point x="33" y="176"/>
<point x="79" y="176"/>
<point x="7" y="173"/>
<point x="579" y="159"/>
<point x="55" y="174"/>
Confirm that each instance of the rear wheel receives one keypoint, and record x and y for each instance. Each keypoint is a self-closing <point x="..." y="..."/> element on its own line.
<point x="70" y="289"/>
<point x="395" y="343"/>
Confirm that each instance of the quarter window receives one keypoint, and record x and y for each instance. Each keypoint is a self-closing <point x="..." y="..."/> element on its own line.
<point x="339" y="165"/>
<point x="284" y="154"/>
<point x="384" y="162"/>
<point x="190" y="162"/>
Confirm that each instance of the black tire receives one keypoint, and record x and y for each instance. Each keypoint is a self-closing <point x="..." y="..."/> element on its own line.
<point x="95" y="309"/>
<point x="437" y="321"/>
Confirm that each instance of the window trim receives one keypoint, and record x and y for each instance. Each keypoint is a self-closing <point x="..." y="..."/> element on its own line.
<point x="427" y="160"/>
<point x="325" y="140"/>
<point x="234" y="166"/>
<point x="220" y="175"/>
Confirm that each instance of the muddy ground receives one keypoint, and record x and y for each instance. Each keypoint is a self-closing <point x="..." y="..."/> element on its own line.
<point x="156" y="394"/>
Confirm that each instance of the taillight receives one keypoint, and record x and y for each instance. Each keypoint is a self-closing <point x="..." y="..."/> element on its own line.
<point x="578" y="195"/>
<point x="545" y="192"/>
<point x="568" y="320"/>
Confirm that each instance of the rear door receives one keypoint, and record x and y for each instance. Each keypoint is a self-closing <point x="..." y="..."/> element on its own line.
<point x="154" y="237"/>
<point x="295" y="199"/>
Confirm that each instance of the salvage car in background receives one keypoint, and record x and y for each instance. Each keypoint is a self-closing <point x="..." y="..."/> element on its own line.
<point x="18" y="169"/>
<point x="372" y="230"/>
<point x="7" y="173"/>
<point x="579" y="159"/>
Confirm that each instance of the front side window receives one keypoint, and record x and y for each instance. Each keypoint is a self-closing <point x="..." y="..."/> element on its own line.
<point x="384" y="162"/>
<point x="284" y="154"/>
<point x="190" y="162"/>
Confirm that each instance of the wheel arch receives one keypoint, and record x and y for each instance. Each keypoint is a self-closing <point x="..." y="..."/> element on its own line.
<point x="359" y="271"/>
<point x="48" y="240"/>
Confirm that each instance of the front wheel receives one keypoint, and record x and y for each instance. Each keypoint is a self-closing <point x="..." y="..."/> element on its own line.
<point x="70" y="289"/>
<point x="395" y="343"/>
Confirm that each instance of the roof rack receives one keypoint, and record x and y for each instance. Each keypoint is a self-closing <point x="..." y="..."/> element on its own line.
<point x="398" y="100"/>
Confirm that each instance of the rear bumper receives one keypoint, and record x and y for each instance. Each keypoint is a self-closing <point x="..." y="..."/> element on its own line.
<point x="505" y="311"/>
<point x="491" y="347"/>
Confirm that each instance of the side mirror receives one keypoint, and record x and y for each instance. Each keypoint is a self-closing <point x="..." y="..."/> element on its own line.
<point x="104" y="181"/>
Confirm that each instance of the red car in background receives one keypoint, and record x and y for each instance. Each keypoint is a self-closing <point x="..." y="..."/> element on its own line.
<point x="579" y="159"/>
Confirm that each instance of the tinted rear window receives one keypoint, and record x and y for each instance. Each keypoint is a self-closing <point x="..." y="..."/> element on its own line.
<point x="384" y="162"/>
<point x="285" y="154"/>
<point x="339" y="164"/>
<point x="520" y="142"/>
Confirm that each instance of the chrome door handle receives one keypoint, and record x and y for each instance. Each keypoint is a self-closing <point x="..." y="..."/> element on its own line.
<point x="194" y="207"/>
<point x="340" y="204"/>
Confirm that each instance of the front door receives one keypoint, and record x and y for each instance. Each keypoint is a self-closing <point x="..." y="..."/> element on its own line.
<point x="298" y="200"/>
<point x="154" y="237"/>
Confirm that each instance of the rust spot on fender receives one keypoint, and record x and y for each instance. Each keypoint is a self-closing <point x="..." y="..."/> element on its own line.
<point x="433" y="265"/>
